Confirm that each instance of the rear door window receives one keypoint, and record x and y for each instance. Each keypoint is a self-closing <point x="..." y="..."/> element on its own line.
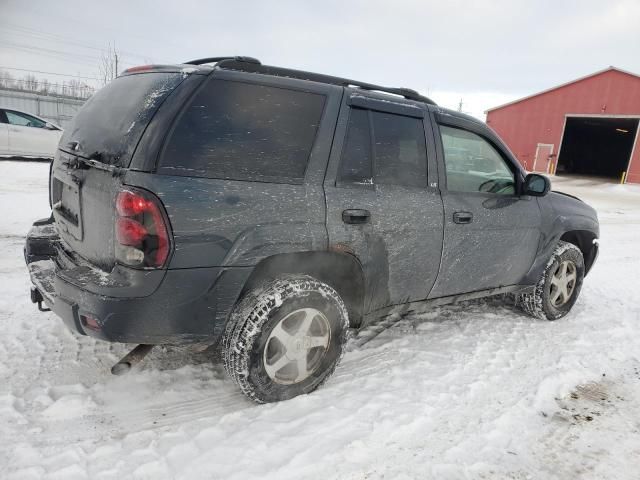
<point x="357" y="164"/>
<point x="243" y="131"/>
<point x="400" y="150"/>
<point x="384" y="148"/>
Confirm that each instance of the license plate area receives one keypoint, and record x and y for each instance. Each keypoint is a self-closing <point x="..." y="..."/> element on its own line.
<point x="67" y="206"/>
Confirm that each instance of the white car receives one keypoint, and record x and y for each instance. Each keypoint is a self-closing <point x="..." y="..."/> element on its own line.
<point x="25" y="135"/>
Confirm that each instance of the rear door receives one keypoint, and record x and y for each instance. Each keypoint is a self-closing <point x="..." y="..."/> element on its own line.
<point x="383" y="204"/>
<point x="491" y="233"/>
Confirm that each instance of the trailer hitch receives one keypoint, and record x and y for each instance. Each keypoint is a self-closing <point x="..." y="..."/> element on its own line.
<point x="131" y="359"/>
<point x="36" y="297"/>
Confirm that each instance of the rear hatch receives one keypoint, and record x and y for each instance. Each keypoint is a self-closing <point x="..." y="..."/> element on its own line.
<point x="94" y="152"/>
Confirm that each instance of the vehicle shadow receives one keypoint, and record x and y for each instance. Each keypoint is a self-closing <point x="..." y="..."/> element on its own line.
<point x="174" y="385"/>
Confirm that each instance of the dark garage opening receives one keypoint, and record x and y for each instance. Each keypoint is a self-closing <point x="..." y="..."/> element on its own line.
<point x="597" y="146"/>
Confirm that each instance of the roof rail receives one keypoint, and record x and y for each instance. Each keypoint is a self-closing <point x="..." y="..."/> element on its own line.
<point x="202" y="61"/>
<point x="248" y="64"/>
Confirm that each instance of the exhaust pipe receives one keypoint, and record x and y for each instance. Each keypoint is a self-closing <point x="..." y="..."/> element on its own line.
<point x="131" y="359"/>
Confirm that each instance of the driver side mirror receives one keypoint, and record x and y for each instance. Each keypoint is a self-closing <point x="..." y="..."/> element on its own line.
<point x="50" y="126"/>
<point x="536" y="185"/>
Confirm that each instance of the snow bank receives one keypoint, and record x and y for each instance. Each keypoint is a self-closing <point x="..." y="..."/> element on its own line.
<point x="475" y="390"/>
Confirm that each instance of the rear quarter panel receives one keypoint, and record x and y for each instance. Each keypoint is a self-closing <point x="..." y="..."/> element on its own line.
<point x="234" y="223"/>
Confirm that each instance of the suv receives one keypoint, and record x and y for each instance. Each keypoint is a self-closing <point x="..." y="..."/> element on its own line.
<point x="269" y="211"/>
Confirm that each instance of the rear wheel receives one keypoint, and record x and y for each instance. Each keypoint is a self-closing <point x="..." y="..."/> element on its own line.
<point x="559" y="286"/>
<point x="285" y="338"/>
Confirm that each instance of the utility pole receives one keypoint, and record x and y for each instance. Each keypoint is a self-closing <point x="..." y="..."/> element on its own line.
<point x="460" y="106"/>
<point x="116" y="54"/>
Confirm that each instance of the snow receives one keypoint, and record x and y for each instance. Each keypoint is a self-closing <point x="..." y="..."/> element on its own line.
<point x="475" y="390"/>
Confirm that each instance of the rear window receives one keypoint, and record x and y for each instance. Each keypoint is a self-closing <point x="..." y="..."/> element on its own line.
<point x="241" y="131"/>
<point x="109" y="124"/>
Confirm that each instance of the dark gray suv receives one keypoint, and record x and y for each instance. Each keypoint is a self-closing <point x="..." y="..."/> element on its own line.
<point x="268" y="211"/>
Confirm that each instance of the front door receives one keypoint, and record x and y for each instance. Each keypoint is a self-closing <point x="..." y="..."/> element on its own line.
<point x="380" y="207"/>
<point x="491" y="233"/>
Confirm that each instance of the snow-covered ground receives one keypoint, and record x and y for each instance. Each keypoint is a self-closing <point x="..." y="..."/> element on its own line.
<point x="476" y="390"/>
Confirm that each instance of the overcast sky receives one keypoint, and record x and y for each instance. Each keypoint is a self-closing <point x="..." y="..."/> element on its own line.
<point x="485" y="53"/>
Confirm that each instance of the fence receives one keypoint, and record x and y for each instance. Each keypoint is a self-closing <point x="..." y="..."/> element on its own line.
<point x="58" y="109"/>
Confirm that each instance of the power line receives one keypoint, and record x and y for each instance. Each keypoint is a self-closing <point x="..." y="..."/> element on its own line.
<point x="25" y="46"/>
<point x="41" y="81"/>
<point x="64" y="39"/>
<point x="49" y="73"/>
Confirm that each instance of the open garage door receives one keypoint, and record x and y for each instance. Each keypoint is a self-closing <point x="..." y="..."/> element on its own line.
<point x="597" y="146"/>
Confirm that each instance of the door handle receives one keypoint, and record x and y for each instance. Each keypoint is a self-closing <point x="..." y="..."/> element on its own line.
<point x="356" y="216"/>
<point x="462" y="217"/>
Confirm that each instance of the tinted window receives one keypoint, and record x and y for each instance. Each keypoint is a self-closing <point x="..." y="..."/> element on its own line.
<point x="242" y="131"/>
<point x="109" y="125"/>
<point x="398" y="151"/>
<point x="356" y="154"/>
<point x="23" y="120"/>
<point x="473" y="164"/>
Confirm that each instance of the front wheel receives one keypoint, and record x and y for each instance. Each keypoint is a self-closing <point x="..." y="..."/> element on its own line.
<point x="285" y="338"/>
<point x="559" y="286"/>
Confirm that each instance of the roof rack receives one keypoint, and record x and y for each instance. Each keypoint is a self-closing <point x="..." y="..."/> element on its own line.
<point x="203" y="61"/>
<point x="252" y="65"/>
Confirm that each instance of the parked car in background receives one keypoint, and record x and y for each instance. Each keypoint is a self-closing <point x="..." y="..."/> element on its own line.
<point x="27" y="136"/>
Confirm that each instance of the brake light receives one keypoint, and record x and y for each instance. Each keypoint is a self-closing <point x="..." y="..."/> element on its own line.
<point x="129" y="204"/>
<point x="139" y="68"/>
<point x="142" y="232"/>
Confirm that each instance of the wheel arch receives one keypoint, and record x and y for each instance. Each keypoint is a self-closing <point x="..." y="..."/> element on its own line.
<point x="584" y="240"/>
<point x="341" y="271"/>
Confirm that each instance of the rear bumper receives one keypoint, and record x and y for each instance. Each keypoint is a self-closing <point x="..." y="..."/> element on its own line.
<point x="128" y="305"/>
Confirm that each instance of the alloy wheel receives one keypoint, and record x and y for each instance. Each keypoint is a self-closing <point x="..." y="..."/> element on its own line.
<point x="296" y="346"/>
<point x="563" y="283"/>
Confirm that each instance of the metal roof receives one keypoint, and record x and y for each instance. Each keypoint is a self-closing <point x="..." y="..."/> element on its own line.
<point x="595" y="74"/>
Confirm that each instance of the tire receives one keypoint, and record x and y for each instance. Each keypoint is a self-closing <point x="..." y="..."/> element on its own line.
<point x="268" y="321"/>
<point x="548" y="301"/>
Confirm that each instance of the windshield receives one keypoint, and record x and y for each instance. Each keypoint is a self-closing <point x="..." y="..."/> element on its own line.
<point x="107" y="128"/>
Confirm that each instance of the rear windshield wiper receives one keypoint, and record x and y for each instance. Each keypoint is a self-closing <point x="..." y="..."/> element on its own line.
<point x="94" y="161"/>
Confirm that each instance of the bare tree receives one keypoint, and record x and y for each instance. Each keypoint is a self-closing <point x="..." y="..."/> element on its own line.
<point x="109" y="64"/>
<point x="30" y="82"/>
<point x="6" y="79"/>
<point x="76" y="88"/>
<point x="44" y="86"/>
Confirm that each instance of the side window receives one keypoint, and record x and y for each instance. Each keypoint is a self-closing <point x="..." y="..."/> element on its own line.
<point x="23" y="120"/>
<point x="242" y="131"/>
<point x="384" y="148"/>
<point x="356" y="154"/>
<point x="400" y="150"/>
<point x="473" y="164"/>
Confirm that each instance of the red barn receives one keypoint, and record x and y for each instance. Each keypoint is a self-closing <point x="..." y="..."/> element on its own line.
<point x="588" y="126"/>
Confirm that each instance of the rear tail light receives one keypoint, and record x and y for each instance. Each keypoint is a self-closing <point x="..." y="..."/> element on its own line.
<point x="142" y="229"/>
